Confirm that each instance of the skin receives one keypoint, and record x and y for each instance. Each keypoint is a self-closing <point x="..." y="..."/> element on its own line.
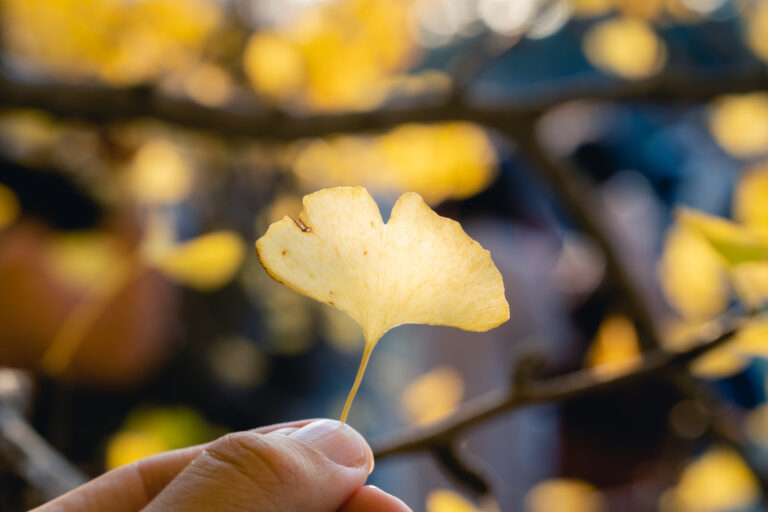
<point x="276" y="468"/>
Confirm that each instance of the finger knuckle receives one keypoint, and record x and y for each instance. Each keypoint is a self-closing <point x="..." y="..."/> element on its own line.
<point x="256" y="458"/>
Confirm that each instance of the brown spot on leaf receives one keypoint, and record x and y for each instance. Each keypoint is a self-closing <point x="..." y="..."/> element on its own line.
<point x="331" y="303"/>
<point x="284" y="252"/>
<point x="365" y="253"/>
<point x="331" y="292"/>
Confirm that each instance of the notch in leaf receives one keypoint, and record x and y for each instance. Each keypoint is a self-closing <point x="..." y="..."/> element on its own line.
<point x="418" y="268"/>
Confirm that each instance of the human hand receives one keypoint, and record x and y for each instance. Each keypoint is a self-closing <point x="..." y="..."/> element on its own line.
<point x="309" y="466"/>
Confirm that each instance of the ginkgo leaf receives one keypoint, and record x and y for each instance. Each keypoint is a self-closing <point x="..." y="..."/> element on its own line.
<point x="418" y="268"/>
<point x="204" y="263"/>
<point x="750" y="202"/>
<point x="735" y="243"/>
<point x="564" y="495"/>
<point x="443" y="500"/>
<point x="718" y="480"/>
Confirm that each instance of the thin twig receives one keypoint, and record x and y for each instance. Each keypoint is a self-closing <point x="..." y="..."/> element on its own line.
<point x="32" y="458"/>
<point x="555" y="389"/>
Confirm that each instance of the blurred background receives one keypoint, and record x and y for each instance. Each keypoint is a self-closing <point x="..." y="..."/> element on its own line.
<point x="146" y="144"/>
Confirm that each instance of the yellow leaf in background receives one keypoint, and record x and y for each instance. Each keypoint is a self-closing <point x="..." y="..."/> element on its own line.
<point x="150" y="430"/>
<point x="120" y="42"/>
<point x="750" y="282"/>
<point x="417" y="268"/>
<point x="159" y="174"/>
<point x="692" y="275"/>
<point x="757" y="28"/>
<point x="209" y="85"/>
<point x="718" y="481"/>
<point x="206" y="262"/>
<point x="564" y="495"/>
<point x="83" y="259"/>
<point x="9" y="206"/>
<point x="739" y="123"/>
<point x="336" y="55"/>
<point x="735" y="243"/>
<point x="750" y="202"/>
<point x="626" y="47"/>
<point x="440" y="161"/>
<point x="433" y="396"/>
<point x="448" y="160"/>
<point x="720" y="363"/>
<point x="752" y="338"/>
<point x="615" y="349"/>
<point x="126" y="447"/>
<point x="274" y="65"/>
<point x="443" y="500"/>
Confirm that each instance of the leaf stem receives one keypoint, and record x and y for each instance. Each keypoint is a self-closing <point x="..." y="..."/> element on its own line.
<point x="358" y="379"/>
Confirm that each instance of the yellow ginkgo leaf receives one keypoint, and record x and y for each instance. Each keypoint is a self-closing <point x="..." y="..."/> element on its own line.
<point x="418" y="268"/>
<point x="750" y="202"/>
<point x="692" y="275"/>
<point x="750" y="282"/>
<point x="9" y="206"/>
<point x="739" y="123"/>
<point x="204" y="263"/>
<point x="752" y="338"/>
<point x="564" y="495"/>
<point x="736" y="244"/>
<point x="615" y="348"/>
<point x="719" y="480"/>
<point x="443" y="500"/>
<point x="433" y="396"/>
<point x="626" y="47"/>
<point x="719" y="364"/>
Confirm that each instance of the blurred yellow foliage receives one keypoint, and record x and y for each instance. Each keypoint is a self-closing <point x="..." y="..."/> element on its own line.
<point x="643" y="9"/>
<point x="692" y="275"/>
<point x="443" y="500"/>
<point x="159" y="174"/>
<point x="335" y="56"/>
<point x="626" y="47"/>
<point x="151" y="430"/>
<point x="564" y="495"/>
<point x="736" y="244"/>
<point x="82" y="259"/>
<point x="441" y="161"/>
<point x="9" y="206"/>
<point x="120" y="42"/>
<point x="750" y="202"/>
<point x="757" y="28"/>
<point x="433" y="396"/>
<point x="208" y="84"/>
<point x="275" y="65"/>
<point x="739" y="123"/>
<point x="204" y="263"/>
<point x="717" y="482"/>
<point x="615" y="349"/>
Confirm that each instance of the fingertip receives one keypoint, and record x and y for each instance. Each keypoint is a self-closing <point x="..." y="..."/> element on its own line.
<point x="372" y="499"/>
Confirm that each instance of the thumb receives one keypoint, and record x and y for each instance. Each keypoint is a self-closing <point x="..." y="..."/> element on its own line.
<point x="315" y="468"/>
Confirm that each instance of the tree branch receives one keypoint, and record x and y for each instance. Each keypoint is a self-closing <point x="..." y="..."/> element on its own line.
<point x="32" y="458"/>
<point x="555" y="389"/>
<point x="245" y="117"/>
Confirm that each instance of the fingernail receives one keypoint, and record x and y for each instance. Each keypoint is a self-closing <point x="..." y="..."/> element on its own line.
<point x="337" y="441"/>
